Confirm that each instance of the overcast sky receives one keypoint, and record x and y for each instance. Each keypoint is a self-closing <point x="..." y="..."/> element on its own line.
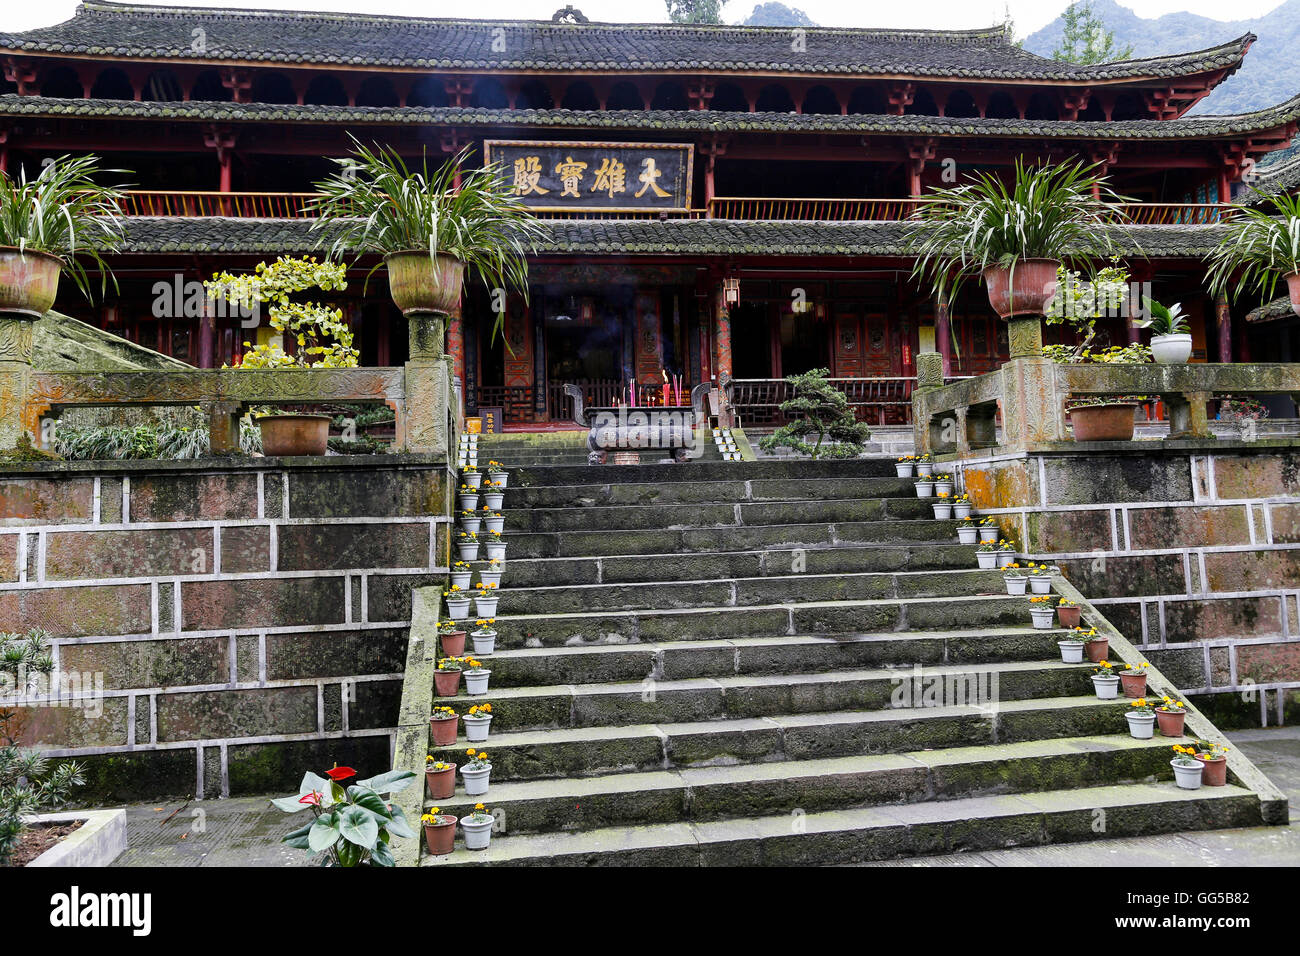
<point x="1029" y="15"/>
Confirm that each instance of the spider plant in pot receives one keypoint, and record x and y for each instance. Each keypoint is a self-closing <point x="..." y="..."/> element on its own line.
<point x="439" y="775"/>
<point x="478" y="719"/>
<point x="1171" y="714"/>
<point x="497" y="472"/>
<point x="1141" y="717"/>
<point x="485" y="600"/>
<point x="1105" y="683"/>
<point x="476" y="677"/>
<point x="1187" y="769"/>
<point x="986" y="555"/>
<point x="1068" y="613"/>
<point x="905" y="465"/>
<point x="471" y="521"/>
<point x="47" y="225"/>
<point x="491" y="575"/>
<point x="968" y="532"/>
<point x="484" y="637"/>
<point x="493" y="496"/>
<point x="1013" y="236"/>
<point x="1040" y="578"/>
<point x="1260" y="244"/>
<point x="1014" y="577"/>
<point x="493" y="520"/>
<point x="1041" y="612"/>
<point x="446" y="677"/>
<point x="442" y="727"/>
<point x="451" y="636"/>
<point x="430" y="228"/>
<point x="461" y="572"/>
<point x="476" y="772"/>
<point x="1134" y="679"/>
<point x="439" y="831"/>
<point x="989" y="530"/>
<point x="1171" y="342"/>
<point x="477" y="828"/>
<point x="924" y="487"/>
<point x="943" y="506"/>
<point x="961" y="506"/>
<point x="457" y="602"/>
<point x="467" y="545"/>
<point x="1215" y="760"/>
<point x="1071" y="650"/>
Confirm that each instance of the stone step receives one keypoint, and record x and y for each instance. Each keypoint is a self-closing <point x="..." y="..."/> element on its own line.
<point x="707" y="492"/>
<point x="665" y="594"/>
<point x="561" y="544"/>
<point x="877" y="833"/>
<point x="551" y="572"/>
<point x="762" y="695"/>
<point x="694" y="471"/>
<point x="680" y="516"/>
<point x="529" y="666"/>
<point x="592" y="751"/>
<point x="818" y="784"/>
<point x="702" y="623"/>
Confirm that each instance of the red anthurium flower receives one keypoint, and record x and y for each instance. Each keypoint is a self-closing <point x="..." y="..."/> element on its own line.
<point x="340" y="773"/>
<point x="312" y="798"/>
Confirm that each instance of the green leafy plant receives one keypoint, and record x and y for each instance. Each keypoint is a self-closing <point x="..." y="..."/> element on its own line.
<point x="375" y="203"/>
<point x="1163" y="319"/>
<point x="177" y="434"/>
<point x="352" y="826"/>
<point x="819" y="413"/>
<point x="1259" y="246"/>
<point x="63" y="212"/>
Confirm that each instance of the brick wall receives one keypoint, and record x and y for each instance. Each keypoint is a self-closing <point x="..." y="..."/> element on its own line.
<point x="227" y="626"/>
<point x="1193" y="555"/>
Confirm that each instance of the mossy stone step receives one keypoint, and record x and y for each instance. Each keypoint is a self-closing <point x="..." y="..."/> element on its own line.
<point x="707" y="492"/>
<point x="669" y="517"/>
<point x="691" y="471"/>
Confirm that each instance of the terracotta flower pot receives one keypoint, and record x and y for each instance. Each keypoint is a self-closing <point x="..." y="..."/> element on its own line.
<point x="1098" y="649"/>
<point x="286" y="435"/>
<point x="442" y="783"/>
<point x="453" y="644"/>
<point x="1171" y="723"/>
<point x="1068" y="616"/>
<point x="419" y="283"/>
<point x="441" y="837"/>
<point x="1026" y="290"/>
<point x="443" y="731"/>
<point x="1113" y="422"/>
<point x="1135" y="685"/>
<point x="29" y="281"/>
<point x="446" y="683"/>
<point x="1216" y="772"/>
<point x="1293" y="287"/>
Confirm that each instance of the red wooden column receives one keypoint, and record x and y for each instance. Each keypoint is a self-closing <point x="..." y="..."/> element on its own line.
<point x="1223" y="325"/>
<point x="943" y="334"/>
<point x="721" y="336"/>
<point x="456" y="340"/>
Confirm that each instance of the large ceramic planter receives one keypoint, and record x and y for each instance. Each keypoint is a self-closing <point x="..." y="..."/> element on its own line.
<point x="1171" y="722"/>
<point x="1098" y="649"/>
<point x="1171" y="349"/>
<point x="1106" y="688"/>
<point x="440" y="837"/>
<point x="287" y="435"/>
<point x="1189" y="778"/>
<point x="29" y="281"/>
<point x="477" y="835"/>
<point x="1216" y="772"/>
<point x="442" y="783"/>
<point x="1111" y="422"/>
<point x="1141" y="726"/>
<point x="419" y="282"/>
<point x="476" y="728"/>
<point x="476" y="781"/>
<point x="476" y="682"/>
<point x="1135" y="685"/>
<point x="443" y="731"/>
<point x="1293" y="287"/>
<point x="1024" y="290"/>
<point x="1069" y="616"/>
<point x="453" y="643"/>
<point x="446" y="683"/>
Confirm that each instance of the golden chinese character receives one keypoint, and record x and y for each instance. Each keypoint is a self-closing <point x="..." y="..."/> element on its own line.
<point x="528" y="170"/>
<point x="570" y="173"/>
<point x="611" y="177"/>
<point x="648" y="176"/>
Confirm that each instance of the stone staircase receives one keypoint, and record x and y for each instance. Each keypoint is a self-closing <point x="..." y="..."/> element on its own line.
<point x="736" y="663"/>
<point x="530" y="449"/>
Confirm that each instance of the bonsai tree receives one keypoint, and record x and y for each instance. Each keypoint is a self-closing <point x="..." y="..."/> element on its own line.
<point x="28" y="784"/>
<point x="1079" y="302"/>
<point x="1259" y="245"/>
<point x="415" y="219"/>
<point x="65" y="214"/>
<point x="819" y="412"/>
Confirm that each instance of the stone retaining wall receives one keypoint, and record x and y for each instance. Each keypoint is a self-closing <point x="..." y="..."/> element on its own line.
<point x="226" y="626"/>
<point x="1192" y="552"/>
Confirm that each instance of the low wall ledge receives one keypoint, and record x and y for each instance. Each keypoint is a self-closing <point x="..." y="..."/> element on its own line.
<point x="220" y="464"/>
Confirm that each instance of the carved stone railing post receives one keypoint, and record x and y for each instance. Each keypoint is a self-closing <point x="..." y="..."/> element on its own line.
<point x="929" y="375"/>
<point x="1033" y="403"/>
<point x="223" y="426"/>
<point x="428" y="385"/>
<point x="16" y="338"/>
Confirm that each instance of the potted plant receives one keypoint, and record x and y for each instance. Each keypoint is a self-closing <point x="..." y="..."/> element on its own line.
<point x="493" y="522"/>
<point x="1134" y="679"/>
<point x="467" y="498"/>
<point x="1105" y="683"/>
<point x="1171" y="715"/>
<point x="470" y="477"/>
<point x="924" y="487"/>
<point x="1006" y="554"/>
<point x="1071" y="650"/>
<point x="1102" y="419"/>
<point x="441" y="775"/>
<point x="968" y="531"/>
<point x="496" y="546"/>
<point x="1215" y="760"/>
<point x="989" y="530"/>
<point x="457" y="602"/>
<point x="467" y="545"/>
<point x="1187" y="769"/>
<point x="924" y="466"/>
<point x="476" y="772"/>
<point x="491" y="575"/>
<point x="1068" y="613"/>
<point x="1171" y="342"/>
<point x="446" y="678"/>
<point x="942" y="507"/>
<point x="497" y="472"/>
<point x="485" y="638"/>
<point x="452" y="638"/>
<point x="905" y="465"/>
<point x="476" y="678"/>
<point x="493" y="496"/>
<point x="1014" y="577"/>
<point x="478" y="828"/>
<point x="1040" y="578"/>
<point x="429" y="228"/>
<point x="485" y="600"/>
<point x="1260" y="244"/>
<point x="354" y="826"/>
<point x="461" y="572"/>
<point x="478" y="719"/>
<point x="439" y="831"/>
<point x="943" y="485"/>
<point x="986" y="555"/>
<point x="470" y="521"/>
<point x="1141" y="718"/>
<point x="961" y="506"/>
<point x="442" y="724"/>
<point x="1041" y="612"/>
<point x="1098" y="646"/>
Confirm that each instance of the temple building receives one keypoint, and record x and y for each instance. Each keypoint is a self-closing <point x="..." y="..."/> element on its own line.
<point x="718" y="199"/>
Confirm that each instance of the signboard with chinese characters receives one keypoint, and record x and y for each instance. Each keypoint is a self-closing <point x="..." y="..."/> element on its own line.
<point x="600" y="177"/>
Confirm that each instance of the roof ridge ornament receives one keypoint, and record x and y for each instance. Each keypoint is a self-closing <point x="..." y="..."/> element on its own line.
<point x="569" y="14"/>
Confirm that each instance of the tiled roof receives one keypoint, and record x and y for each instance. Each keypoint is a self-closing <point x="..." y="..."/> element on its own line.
<point x="685" y="121"/>
<point x="1281" y="177"/>
<point x="702" y="237"/>
<point x="126" y="30"/>
<point x="1271" y="312"/>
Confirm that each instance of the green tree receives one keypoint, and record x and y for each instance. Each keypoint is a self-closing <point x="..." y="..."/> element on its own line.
<point x="1085" y="39"/>
<point x="818" y="412"/>
<point x="695" y="11"/>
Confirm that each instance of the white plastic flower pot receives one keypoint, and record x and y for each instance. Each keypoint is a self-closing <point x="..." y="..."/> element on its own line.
<point x="457" y="609"/>
<point x="924" y="469"/>
<point x="471" y="524"/>
<point x="494" y="500"/>
<point x="495" y="524"/>
<point x="473" y="479"/>
<point x="1016" y="585"/>
<point x="489" y="577"/>
<point x="476" y="781"/>
<point x="1071" y="652"/>
<point x="1043" y="618"/>
<point x="1189" y="778"/>
<point x="925" y="489"/>
<point x="1171" y="349"/>
<point x="989" y="534"/>
<point x="967" y="535"/>
<point x="483" y="645"/>
<point x="1106" y="688"/>
<point x="498" y="478"/>
<point x="904" y="470"/>
<point x="467" y="552"/>
<point x="941" y="486"/>
<point x="477" y="835"/>
<point x="1040" y="585"/>
<point x="468" y="502"/>
<point x="1141" y="726"/>
<point x="496" y="552"/>
<point x="486" y="607"/>
<point x="961" y="511"/>
<point x="460" y="579"/>
<point x="476" y="682"/>
<point x="988" y="560"/>
<point x="476" y="729"/>
<point x="1006" y="558"/>
<point x="942" y="512"/>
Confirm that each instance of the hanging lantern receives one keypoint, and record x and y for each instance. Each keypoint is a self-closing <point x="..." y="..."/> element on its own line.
<point x="731" y="290"/>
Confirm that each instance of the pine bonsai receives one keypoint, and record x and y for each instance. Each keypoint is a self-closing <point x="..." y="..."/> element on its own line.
<point x="818" y="413"/>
